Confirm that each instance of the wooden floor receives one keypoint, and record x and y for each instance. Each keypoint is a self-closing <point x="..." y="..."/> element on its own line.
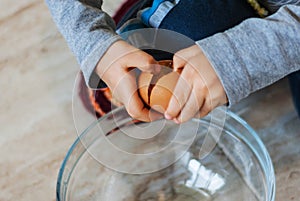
<point x="37" y="74"/>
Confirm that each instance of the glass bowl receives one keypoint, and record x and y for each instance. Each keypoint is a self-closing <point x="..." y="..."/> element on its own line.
<point x="119" y="159"/>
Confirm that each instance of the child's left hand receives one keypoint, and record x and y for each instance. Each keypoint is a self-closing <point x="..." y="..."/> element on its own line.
<point x="198" y="90"/>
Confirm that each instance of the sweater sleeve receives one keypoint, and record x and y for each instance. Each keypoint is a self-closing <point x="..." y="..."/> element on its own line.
<point x="255" y="53"/>
<point x="88" y="31"/>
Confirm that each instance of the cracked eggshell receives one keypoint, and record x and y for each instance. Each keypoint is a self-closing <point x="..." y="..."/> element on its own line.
<point x="143" y="85"/>
<point x="161" y="91"/>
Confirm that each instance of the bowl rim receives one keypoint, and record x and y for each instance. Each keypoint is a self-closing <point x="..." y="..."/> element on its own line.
<point x="229" y="113"/>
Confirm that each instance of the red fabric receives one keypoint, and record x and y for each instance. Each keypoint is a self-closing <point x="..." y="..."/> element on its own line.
<point x="123" y="10"/>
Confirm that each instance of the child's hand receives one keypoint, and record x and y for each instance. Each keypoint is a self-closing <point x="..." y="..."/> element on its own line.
<point x="198" y="90"/>
<point x="115" y="69"/>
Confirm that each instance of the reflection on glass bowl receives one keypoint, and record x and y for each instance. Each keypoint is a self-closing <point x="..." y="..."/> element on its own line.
<point x="238" y="167"/>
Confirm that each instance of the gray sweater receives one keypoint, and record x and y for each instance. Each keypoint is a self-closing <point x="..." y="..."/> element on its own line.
<point x="247" y="57"/>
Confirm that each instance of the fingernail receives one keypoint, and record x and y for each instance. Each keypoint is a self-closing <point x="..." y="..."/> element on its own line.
<point x="167" y="116"/>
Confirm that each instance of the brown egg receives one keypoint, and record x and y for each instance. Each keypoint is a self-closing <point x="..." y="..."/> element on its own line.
<point x="156" y="90"/>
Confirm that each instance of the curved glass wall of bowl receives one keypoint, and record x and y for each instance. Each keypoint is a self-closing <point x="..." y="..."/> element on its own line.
<point x="238" y="168"/>
<point x="163" y="138"/>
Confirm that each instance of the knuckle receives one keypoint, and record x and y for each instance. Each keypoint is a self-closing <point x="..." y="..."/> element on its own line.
<point x="149" y="58"/>
<point x="145" y="56"/>
<point x="177" y="58"/>
<point x="179" y="54"/>
<point x="146" y="62"/>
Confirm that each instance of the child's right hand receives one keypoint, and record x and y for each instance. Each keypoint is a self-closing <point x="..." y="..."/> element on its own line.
<point x="115" y="69"/>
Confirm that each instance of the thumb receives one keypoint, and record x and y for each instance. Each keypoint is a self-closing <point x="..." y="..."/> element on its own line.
<point x="143" y="61"/>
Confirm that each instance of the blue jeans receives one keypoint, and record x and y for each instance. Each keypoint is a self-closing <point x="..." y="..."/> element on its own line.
<point x="294" y="80"/>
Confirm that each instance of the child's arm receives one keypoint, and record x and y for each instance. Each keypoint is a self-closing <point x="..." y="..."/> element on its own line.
<point x="90" y="33"/>
<point x="198" y="89"/>
<point x="246" y="58"/>
<point x="115" y="68"/>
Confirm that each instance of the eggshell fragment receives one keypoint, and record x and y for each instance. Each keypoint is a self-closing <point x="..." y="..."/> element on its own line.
<point x="156" y="90"/>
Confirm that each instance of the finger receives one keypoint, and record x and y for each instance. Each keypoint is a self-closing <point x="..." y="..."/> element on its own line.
<point x="127" y="92"/>
<point x="184" y="55"/>
<point x="180" y="95"/>
<point x="191" y="108"/>
<point x="142" y="61"/>
<point x="178" y="61"/>
<point x="137" y="110"/>
<point x="206" y="108"/>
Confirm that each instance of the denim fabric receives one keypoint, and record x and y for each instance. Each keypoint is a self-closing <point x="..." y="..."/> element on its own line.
<point x="195" y="19"/>
<point x="294" y="80"/>
<point x="200" y="19"/>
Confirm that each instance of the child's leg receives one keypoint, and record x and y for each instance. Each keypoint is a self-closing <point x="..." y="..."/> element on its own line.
<point x="200" y="19"/>
<point x="294" y="79"/>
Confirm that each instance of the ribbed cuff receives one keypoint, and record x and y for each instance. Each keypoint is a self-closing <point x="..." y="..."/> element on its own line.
<point x="225" y="59"/>
<point x="89" y="64"/>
